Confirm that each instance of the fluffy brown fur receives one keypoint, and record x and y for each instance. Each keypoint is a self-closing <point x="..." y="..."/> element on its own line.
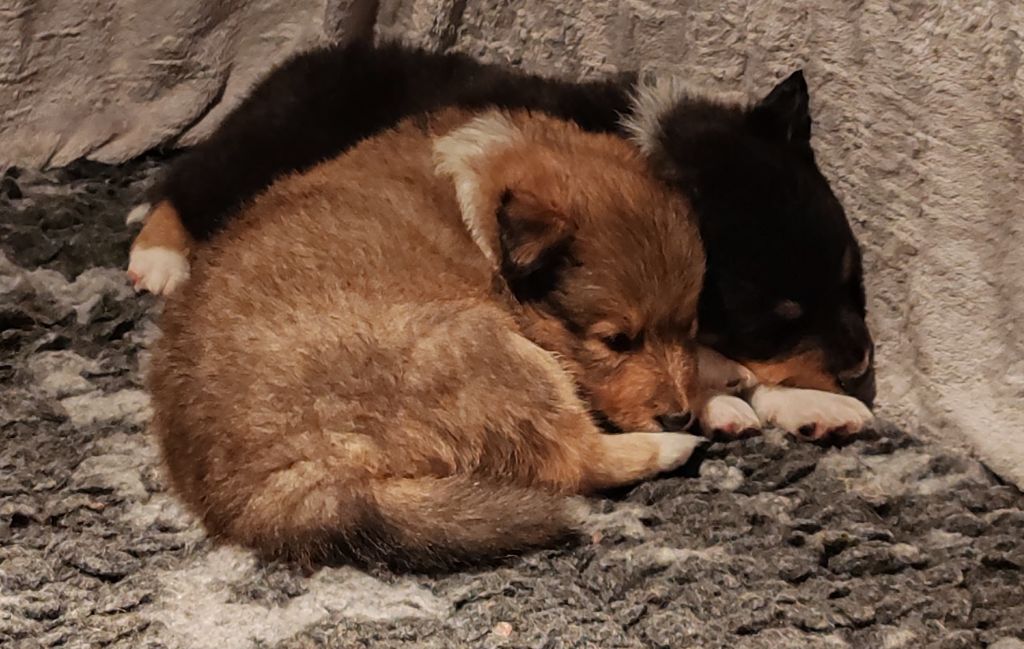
<point x="384" y="357"/>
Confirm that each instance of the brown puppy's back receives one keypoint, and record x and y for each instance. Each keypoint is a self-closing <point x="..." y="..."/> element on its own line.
<point x="339" y="375"/>
<point x="321" y="283"/>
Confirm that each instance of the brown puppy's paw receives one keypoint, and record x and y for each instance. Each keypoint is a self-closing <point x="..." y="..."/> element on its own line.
<point x="158" y="270"/>
<point x="675" y="449"/>
<point x="811" y="414"/>
<point x="728" y="417"/>
<point x="627" y="458"/>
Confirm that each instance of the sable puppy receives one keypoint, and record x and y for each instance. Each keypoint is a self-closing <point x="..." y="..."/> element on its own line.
<point x="393" y="357"/>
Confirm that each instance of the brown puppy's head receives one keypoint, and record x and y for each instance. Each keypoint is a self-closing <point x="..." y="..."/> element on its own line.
<point x="606" y="263"/>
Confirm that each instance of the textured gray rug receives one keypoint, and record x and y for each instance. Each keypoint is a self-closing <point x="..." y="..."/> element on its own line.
<point x="890" y="542"/>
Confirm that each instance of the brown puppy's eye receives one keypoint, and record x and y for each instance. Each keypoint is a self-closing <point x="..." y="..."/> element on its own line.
<point x="621" y="343"/>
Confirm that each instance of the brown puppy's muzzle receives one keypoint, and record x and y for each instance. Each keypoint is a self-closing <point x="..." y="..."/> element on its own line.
<point x="649" y="389"/>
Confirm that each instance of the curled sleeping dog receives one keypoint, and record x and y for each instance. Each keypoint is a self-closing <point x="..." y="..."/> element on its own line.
<point x="783" y="294"/>
<point x="394" y="357"/>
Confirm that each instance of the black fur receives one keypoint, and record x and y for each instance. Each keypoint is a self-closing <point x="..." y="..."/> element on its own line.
<point x="772" y="228"/>
<point x="320" y="103"/>
<point x="773" y="232"/>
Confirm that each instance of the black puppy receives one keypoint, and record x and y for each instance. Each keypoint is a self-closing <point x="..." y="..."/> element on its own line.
<point x="783" y="293"/>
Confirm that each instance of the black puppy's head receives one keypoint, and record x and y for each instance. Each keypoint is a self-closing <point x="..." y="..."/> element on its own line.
<point x="784" y="290"/>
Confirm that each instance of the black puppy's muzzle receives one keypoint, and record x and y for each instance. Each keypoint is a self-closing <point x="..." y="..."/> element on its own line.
<point x="862" y="385"/>
<point x="675" y="422"/>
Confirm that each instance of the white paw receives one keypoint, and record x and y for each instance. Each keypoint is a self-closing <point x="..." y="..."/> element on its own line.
<point x="811" y="414"/>
<point x="138" y="213"/>
<point x="157" y="270"/>
<point x="729" y="416"/>
<point x="674" y="449"/>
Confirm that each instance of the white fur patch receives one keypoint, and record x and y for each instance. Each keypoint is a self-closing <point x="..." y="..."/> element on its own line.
<point x="457" y="154"/>
<point x="138" y="213"/>
<point x="810" y="413"/>
<point x="728" y="415"/>
<point x="654" y="98"/>
<point x="674" y="449"/>
<point x="157" y="270"/>
<point x="650" y="102"/>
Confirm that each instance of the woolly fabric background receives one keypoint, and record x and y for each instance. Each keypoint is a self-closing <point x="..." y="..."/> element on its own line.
<point x="918" y="112"/>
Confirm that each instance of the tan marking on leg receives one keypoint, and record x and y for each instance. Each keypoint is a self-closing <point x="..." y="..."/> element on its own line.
<point x="803" y="370"/>
<point x="158" y="262"/>
<point x="164" y="229"/>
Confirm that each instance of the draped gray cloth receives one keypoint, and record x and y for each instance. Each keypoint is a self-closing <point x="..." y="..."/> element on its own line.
<point x="918" y="122"/>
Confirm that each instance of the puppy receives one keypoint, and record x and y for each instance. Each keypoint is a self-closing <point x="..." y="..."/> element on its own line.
<point x="784" y="292"/>
<point x="395" y="358"/>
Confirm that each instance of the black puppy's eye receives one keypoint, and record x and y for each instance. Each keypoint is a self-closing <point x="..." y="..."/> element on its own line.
<point x="620" y="343"/>
<point x="788" y="310"/>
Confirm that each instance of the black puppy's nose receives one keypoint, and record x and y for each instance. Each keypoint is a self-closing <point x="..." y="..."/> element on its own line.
<point x="861" y="387"/>
<point x="859" y="381"/>
<point x="675" y="422"/>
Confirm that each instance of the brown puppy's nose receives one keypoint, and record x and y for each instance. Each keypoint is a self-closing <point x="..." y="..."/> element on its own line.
<point x="675" y="422"/>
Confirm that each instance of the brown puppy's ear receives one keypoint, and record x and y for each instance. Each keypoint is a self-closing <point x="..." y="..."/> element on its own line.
<point x="535" y="236"/>
<point x="466" y="155"/>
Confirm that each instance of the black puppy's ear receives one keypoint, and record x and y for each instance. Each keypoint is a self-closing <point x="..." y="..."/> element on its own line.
<point x="785" y="112"/>
<point x="535" y="236"/>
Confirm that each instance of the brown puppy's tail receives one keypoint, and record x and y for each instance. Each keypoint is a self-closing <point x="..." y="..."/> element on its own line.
<point x="422" y="524"/>
<point x="461" y="520"/>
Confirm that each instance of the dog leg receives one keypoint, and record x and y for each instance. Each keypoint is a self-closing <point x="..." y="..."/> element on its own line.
<point x="720" y="374"/>
<point x="158" y="262"/>
<point x="727" y="417"/>
<point x="810" y="414"/>
<point x="628" y="458"/>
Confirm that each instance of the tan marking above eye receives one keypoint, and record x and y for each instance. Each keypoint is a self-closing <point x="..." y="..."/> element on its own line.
<point x="789" y="310"/>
